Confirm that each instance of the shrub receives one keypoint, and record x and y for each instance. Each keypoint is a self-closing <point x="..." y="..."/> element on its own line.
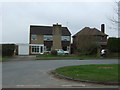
<point x="113" y="44"/>
<point x="8" y="49"/>
<point x="54" y="52"/>
<point x="46" y="53"/>
<point x="88" y="50"/>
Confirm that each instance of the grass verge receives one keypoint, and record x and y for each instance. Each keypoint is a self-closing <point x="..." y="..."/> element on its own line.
<point x="99" y="73"/>
<point x="63" y="57"/>
<point x="5" y="58"/>
<point x="71" y="57"/>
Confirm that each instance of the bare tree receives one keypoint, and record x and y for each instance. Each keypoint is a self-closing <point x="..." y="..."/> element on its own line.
<point x="115" y="20"/>
<point x="118" y="19"/>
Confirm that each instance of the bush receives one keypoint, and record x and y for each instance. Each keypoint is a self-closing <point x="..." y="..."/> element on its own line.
<point x="113" y="44"/>
<point x="8" y="49"/>
<point x="54" y="52"/>
<point x="88" y="50"/>
<point x="46" y="53"/>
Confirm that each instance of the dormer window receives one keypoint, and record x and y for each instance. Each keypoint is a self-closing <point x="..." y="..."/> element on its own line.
<point x="33" y="37"/>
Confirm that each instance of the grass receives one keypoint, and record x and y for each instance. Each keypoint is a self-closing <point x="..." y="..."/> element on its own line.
<point x="62" y="57"/>
<point x="72" y="57"/>
<point x="5" y="58"/>
<point x="100" y="73"/>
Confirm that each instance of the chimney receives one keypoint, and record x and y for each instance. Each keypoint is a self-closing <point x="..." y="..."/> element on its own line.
<point x="103" y="28"/>
<point x="57" y="32"/>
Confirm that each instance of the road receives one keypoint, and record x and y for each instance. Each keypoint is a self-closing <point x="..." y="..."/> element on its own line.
<point x="26" y="72"/>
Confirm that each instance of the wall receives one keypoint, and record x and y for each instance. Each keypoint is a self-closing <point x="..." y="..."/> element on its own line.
<point x="38" y="41"/>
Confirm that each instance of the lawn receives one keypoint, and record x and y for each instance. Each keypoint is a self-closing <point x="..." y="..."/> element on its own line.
<point x="99" y="73"/>
<point x="71" y="57"/>
<point x="0" y="58"/>
<point x="5" y="58"/>
<point x="64" y="57"/>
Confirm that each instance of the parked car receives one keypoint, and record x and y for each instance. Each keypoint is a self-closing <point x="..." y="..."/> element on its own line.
<point x="103" y="52"/>
<point x="62" y="52"/>
<point x="66" y="52"/>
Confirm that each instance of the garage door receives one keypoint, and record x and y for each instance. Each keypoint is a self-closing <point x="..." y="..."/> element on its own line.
<point x="23" y="49"/>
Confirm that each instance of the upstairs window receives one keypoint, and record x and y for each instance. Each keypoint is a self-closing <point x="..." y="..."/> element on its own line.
<point x="48" y="37"/>
<point x="65" y="38"/>
<point x="33" y="37"/>
<point x="99" y="38"/>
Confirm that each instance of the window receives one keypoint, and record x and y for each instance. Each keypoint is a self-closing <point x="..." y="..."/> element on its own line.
<point x="68" y="48"/>
<point x="65" y="38"/>
<point x="99" y="37"/>
<point x="41" y="49"/>
<point x="33" y="37"/>
<point x="37" y="49"/>
<point x="48" y="37"/>
<point x="65" y="48"/>
<point x="46" y="48"/>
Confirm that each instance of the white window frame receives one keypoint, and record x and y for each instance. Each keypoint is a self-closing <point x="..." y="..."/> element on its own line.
<point x="65" y="38"/>
<point x="39" y="49"/>
<point x="33" y="37"/>
<point x="48" y="37"/>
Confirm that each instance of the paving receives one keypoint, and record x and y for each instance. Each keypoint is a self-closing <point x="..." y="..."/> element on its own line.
<point x="26" y="72"/>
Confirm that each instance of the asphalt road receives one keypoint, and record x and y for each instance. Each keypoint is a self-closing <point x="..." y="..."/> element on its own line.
<point x="26" y="72"/>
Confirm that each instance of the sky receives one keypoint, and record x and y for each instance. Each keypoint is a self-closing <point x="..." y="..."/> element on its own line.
<point x="16" y="17"/>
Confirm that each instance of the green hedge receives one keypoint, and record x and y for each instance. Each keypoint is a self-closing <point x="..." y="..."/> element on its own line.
<point x="8" y="49"/>
<point x="88" y="50"/>
<point x="113" y="44"/>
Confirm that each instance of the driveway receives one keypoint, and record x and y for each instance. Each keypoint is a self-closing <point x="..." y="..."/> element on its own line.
<point x="26" y="72"/>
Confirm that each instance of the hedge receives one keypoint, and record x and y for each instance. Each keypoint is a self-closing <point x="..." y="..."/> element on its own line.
<point x="113" y="44"/>
<point x="8" y="49"/>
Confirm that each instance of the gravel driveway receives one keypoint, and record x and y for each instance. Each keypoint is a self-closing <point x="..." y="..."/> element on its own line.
<point x="26" y="72"/>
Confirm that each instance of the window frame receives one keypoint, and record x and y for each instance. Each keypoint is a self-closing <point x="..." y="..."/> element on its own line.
<point x="33" y="37"/>
<point x="48" y="38"/>
<point x="37" y="49"/>
<point x="65" y="38"/>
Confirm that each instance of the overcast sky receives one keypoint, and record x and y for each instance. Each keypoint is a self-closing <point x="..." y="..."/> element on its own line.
<point x="17" y="17"/>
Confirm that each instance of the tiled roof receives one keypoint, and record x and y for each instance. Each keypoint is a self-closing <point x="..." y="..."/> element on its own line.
<point x="47" y="30"/>
<point x="90" y="31"/>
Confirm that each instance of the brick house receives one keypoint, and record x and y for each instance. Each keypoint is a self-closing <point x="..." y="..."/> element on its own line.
<point x="47" y="38"/>
<point x="99" y="36"/>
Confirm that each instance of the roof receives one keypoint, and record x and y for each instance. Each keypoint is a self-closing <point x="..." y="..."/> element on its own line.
<point x="47" y="30"/>
<point x="90" y="31"/>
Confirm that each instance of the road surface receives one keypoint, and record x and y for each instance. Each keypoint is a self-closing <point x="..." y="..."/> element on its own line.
<point x="26" y="72"/>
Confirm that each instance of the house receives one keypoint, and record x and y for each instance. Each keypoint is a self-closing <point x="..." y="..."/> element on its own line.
<point x="47" y="38"/>
<point x="98" y="36"/>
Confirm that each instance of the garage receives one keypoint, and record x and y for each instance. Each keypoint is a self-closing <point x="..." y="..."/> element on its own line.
<point x="23" y="49"/>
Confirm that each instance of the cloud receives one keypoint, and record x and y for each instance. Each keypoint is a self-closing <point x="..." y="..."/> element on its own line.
<point x="17" y="17"/>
